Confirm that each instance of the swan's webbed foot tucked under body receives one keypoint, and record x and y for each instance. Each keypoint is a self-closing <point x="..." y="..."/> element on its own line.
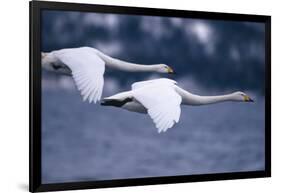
<point x="129" y="104"/>
<point x="115" y="102"/>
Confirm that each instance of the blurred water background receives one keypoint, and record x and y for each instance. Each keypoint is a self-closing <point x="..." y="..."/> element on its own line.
<point x="82" y="141"/>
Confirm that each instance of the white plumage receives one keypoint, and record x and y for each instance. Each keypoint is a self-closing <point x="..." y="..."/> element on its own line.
<point x="87" y="66"/>
<point x="87" y="71"/>
<point x="164" y="109"/>
<point x="161" y="100"/>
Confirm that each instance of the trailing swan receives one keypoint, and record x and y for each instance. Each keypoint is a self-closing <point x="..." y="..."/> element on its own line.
<point x="161" y="99"/>
<point x="87" y="66"/>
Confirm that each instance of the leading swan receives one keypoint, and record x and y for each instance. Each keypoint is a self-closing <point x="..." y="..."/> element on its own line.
<point x="161" y="99"/>
<point x="87" y="66"/>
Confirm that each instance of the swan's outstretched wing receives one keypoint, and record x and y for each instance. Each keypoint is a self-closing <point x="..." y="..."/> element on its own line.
<point x="140" y="84"/>
<point x="162" y="103"/>
<point x="87" y="71"/>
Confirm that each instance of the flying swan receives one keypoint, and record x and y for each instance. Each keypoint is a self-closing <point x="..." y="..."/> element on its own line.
<point x="161" y="99"/>
<point x="87" y="66"/>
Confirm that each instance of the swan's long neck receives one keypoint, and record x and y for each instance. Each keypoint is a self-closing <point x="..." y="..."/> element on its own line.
<point x="126" y="66"/>
<point x="193" y="99"/>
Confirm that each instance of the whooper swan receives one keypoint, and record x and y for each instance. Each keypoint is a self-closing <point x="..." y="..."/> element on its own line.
<point x="161" y="99"/>
<point x="87" y="66"/>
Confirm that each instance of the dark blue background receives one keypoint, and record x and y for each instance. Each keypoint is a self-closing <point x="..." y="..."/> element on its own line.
<point x="83" y="141"/>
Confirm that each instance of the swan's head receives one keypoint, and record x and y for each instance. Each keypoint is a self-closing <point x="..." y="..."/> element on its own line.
<point x="47" y="59"/>
<point x="241" y="96"/>
<point x="163" y="68"/>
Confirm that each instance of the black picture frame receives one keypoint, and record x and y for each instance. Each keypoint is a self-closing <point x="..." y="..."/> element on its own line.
<point x="35" y="184"/>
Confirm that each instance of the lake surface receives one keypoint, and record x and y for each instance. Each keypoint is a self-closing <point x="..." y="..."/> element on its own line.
<point x="82" y="141"/>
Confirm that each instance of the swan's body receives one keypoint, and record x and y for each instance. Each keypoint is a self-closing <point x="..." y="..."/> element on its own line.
<point x="161" y="99"/>
<point x="87" y="66"/>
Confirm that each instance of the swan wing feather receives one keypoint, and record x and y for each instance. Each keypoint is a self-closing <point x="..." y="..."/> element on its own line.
<point x="162" y="103"/>
<point x="140" y="84"/>
<point x="87" y="71"/>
